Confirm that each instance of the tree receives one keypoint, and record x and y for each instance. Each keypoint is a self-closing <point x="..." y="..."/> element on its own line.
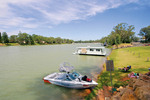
<point x="135" y="39"/>
<point x="50" y="40"/>
<point x="145" y="32"/>
<point x="122" y="33"/>
<point x="58" y="40"/>
<point x="13" y="39"/>
<point x="5" y="37"/>
<point x="118" y="39"/>
<point x="125" y="32"/>
<point x="31" y="41"/>
<point x="23" y="38"/>
<point x="0" y="38"/>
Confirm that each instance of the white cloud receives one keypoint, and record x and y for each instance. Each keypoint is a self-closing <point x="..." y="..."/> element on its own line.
<point x="36" y="13"/>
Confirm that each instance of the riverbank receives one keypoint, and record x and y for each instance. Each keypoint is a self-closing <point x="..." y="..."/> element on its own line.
<point x="9" y="44"/>
<point x="17" y="44"/>
<point x="137" y="57"/>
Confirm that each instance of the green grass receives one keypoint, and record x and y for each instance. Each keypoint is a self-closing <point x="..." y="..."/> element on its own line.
<point x="134" y="56"/>
<point x="12" y="44"/>
<point x="9" y="44"/>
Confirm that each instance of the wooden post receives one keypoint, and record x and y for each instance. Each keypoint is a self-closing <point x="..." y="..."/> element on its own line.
<point x="147" y="59"/>
<point x="110" y="67"/>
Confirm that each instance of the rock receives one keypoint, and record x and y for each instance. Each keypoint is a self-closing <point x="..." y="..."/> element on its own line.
<point x="132" y="81"/>
<point x="85" y="93"/>
<point x="107" y="98"/>
<point x="138" y="83"/>
<point x="122" y="91"/>
<point x="145" y="78"/>
<point x="142" y="81"/>
<point x="137" y="89"/>
<point x="106" y="91"/>
<point x="142" y="93"/>
<point x="120" y="88"/>
<point x="128" y="95"/>
<point x="100" y="95"/>
<point x="116" y="97"/>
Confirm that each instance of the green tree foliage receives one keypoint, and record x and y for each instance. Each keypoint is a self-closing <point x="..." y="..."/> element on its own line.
<point x="23" y="38"/>
<point x="5" y="37"/>
<point x="88" y="41"/>
<point x="118" y="39"/>
<point x="13" y="39"/>
<point x="0" y="38"/>
<point x="59" y="40"/>
<point x="50" y="40"/>
<point x="26" y="39"/>
<point x="31" y="41"/>
<point x="135" y="39"/>
<point x="122" y="33"/>
<point x="145" y="32"/>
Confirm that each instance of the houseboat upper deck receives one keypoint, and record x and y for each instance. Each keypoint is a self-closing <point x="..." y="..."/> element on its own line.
<point x="100" y="51"/>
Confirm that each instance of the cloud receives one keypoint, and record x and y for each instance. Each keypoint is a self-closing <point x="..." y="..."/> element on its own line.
<point x="33" y="14"/>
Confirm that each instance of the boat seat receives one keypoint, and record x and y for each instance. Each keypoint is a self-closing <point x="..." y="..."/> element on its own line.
<point x="84" y="78"/>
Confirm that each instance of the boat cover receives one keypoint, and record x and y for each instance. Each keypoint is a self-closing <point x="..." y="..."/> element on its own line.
<point x="65" y="67"/>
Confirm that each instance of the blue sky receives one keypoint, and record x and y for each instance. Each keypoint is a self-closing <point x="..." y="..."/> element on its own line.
<point x="73" y="19"/>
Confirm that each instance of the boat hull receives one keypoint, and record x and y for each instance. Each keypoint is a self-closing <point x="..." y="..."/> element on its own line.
<point x="95" y="51"/>
<point x="90" y="54"/>
<point x="69" y="84"/>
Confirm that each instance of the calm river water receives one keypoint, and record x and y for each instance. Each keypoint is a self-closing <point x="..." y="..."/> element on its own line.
<point x="23" y="67"/>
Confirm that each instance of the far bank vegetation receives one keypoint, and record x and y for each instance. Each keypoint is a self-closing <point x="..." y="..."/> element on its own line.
<point x="26" y="39"/>
<point x="124" y="33"/>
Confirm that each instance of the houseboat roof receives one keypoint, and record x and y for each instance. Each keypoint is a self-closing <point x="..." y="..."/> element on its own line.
<point x="92" y="47"/>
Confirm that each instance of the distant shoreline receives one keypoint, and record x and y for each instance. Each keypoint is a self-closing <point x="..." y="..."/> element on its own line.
<point x="17" y="44"/>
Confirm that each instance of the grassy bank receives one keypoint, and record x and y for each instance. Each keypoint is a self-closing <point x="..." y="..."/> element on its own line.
<point x="9" y="44"/>
<point x="137" y="57"/>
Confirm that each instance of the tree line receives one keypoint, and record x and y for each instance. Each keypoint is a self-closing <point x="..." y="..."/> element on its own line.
<point x="26" y="39"/>
<point x="145" y="33"/>
<point x="87" y="41"/>
<point x="124" y="33"/>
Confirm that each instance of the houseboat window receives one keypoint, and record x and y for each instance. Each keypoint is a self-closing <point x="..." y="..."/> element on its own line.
<point x="97" y="49"/>
<point x="91" y="49"/>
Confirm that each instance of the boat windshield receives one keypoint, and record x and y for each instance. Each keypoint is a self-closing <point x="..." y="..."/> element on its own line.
<point x="74" y="75"/>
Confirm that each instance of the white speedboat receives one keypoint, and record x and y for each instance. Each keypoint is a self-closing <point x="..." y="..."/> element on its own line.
<point x="69" y="78"/>
<point x="98" y="51"/>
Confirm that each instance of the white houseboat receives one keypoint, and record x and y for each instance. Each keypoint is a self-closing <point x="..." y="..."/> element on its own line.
<point x="99" y="51"/>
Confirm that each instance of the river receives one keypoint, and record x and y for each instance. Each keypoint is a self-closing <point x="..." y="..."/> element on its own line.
<point x="23" y="67"/>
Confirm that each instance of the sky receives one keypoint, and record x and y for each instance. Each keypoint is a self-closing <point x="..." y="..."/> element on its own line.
<point x="72" y="19"/>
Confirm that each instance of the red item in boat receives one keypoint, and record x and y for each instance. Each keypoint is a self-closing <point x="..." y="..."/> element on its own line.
<point x="88" y="79"/>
